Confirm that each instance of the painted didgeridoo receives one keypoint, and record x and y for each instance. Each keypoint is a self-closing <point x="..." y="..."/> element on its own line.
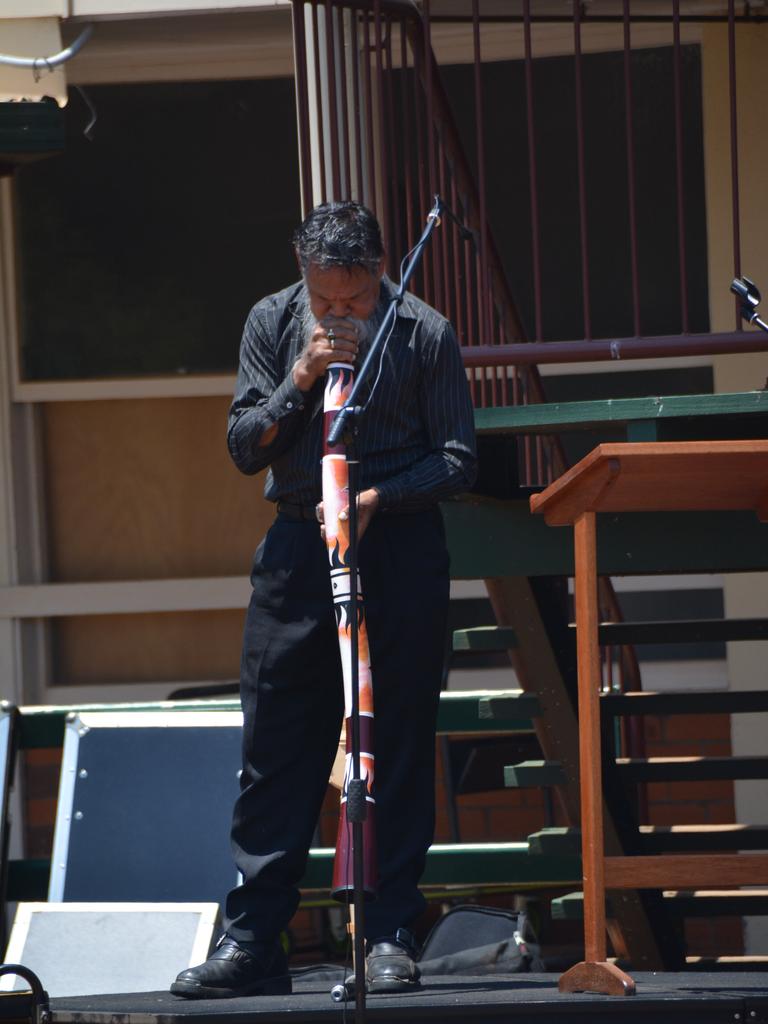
<point x="339" y="380"/>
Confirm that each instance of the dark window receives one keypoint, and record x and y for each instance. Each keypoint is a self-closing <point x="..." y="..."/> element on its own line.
<point x="606" y="187"/>
<point x="142" y="251"/>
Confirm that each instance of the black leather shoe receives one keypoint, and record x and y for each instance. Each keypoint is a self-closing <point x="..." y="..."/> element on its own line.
<point x="390" y="965"/>
<point x="233" y="971"/>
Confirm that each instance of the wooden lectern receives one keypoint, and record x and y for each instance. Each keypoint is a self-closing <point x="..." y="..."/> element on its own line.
<point x="640" y="477"/>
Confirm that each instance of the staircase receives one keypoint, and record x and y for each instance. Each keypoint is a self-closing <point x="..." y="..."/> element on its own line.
<point x="531" y="629"/>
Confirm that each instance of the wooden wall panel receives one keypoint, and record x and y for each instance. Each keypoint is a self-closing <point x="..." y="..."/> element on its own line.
<point x="167" y="647"/>
<point x="145" y="489"/>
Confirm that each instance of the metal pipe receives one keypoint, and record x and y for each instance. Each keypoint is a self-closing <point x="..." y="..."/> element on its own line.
<point x="617" y="349"/>
<point x="38" y="64"/>
<point x="408" y="9"/>
<point x="596" y="19"/>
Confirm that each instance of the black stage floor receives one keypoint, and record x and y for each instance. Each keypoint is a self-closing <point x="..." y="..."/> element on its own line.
<point x="735" y="998"/>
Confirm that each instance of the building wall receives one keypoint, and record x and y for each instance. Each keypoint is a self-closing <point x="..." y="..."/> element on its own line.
<point x="132" y="8"/>
<point x="173" y="509"/>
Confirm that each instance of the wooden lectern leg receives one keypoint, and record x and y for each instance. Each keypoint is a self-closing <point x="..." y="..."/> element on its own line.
<point x="603" y="977"/>
<point x="594" y="973"/>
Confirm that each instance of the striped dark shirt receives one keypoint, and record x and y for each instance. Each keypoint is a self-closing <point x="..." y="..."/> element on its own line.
<point x="417" y="440"/>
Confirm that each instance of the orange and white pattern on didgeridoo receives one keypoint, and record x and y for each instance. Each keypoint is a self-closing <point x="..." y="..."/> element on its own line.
<point x="335" y="499"/>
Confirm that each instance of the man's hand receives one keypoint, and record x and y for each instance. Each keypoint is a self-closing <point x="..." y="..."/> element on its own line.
<point x="333" y="340"/>
<point x="367" y="504"/>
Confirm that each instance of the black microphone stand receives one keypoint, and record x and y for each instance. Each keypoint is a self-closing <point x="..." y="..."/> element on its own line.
<point x="750" y="297"/>
<point x="345" y="428"/>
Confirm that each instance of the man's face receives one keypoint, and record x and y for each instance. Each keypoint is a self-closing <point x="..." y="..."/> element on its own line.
<point x="342" y="292"/>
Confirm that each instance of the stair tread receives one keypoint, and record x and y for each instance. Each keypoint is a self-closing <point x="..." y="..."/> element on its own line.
<point x="533" y="773"/>
<point x="691" y="769"/>
<point x="691" y="702"/>
<point x="682" y="631"/>
<point x="469" y="863"/>
<point x="684" y="902"/>
<point x="662" y="838"/>
<point x="484" y="638"/>
<point x="544" y="417"/>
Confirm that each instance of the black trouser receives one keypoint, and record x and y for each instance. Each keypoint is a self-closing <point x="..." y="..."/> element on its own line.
<point x="292" y="696"/>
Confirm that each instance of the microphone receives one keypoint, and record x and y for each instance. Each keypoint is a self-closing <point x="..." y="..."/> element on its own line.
<point x="749" y="294"/>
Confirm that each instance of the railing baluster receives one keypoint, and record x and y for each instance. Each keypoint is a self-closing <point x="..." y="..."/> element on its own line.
<point x="302" y="101"/>
<point x="381" y="125"/>
<point x="344" y="135"/>
<point x="407" y="136"/>
<point x="442" y="246"/>
<point x="422" y="142"/>
<point x="456" y="252"/>
<point x="533" y="173"/>
<point x="483" y="296"/>
<point x="431" y="263"/>
<point x="581" y="169"/>
<point x="333" y="114"/>
<point x="629" y="113"/>
<point x="319" y="95"/>
<point x="358" y="108"/>
<point x="734" y="152"/>
<point x="392" y="152"/>
<point x="679" y="160"/>
<point x="371" y="197"/>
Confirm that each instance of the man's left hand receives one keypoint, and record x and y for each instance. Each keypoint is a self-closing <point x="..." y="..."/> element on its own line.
<point x="367" y="504"/>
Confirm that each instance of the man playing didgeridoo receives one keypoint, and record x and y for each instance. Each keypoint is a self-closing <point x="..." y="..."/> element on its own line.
<point x="416" y="446"/>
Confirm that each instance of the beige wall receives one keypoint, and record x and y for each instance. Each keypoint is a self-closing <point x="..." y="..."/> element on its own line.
<point x="134" y="8"/>
<point x="145" y="490"/>
<point x="746" y="595"/>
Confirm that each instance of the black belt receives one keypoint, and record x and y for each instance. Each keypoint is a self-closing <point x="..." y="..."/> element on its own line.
<point x="295" y="512"/>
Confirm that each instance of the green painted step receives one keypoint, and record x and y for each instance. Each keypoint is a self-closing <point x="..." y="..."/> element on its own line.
<point x="489" y="538"/>
<point x="636" y="702"/>
<point x="447" y="864"/>
<point x="555" y="417"/>
<point x="479" y="711"/>
<point x="556" y="842"/>
<point x="527" y="774"/>
<point x="469" y="863"/>
<point x="678" y="631"/>
<point x="734" y="903"/>
<point x="465" y="711"/>
<point x="690" y="769"/>
<point x="484" y="638"/>
<point x="507" y="705"/>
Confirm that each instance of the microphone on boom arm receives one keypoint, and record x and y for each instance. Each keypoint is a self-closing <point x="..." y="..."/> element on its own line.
<point x="749" y="294"/>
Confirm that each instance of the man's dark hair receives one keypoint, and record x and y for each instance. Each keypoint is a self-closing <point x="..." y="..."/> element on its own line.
<point x="339" y="235"/>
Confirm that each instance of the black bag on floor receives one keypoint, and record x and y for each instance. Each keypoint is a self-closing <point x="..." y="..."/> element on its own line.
<point x="480" y="940"/>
